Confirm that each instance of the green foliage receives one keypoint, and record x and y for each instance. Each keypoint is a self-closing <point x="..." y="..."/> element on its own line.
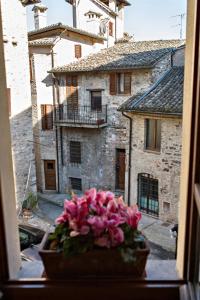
<point x="70" y="245"/>
<point x="30" y="202"/>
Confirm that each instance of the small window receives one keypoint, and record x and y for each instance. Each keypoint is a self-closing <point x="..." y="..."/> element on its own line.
<point x="110" y="29"/>
<point x="75" y="152"/>
<point x="78" y="51"/>
<point x="50" y="166"/>
<point x="96" y="100"/>
<point x="153" y="134"/>
<point x="47" y="116"/>
<point x="148" y="194"/>
<point x="76" y="183"/>
<point x="120" y="83"/>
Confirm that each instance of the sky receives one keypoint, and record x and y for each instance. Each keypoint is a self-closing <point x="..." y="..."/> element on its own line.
<point x="144" y="19"/>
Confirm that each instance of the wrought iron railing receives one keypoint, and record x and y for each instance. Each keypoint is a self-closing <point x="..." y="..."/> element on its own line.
<point x="81" y="114"/>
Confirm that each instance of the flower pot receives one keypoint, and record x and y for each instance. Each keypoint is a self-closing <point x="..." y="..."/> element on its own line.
<point x="99" y="262"/>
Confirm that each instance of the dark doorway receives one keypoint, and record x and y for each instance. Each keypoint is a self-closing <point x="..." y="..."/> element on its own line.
<point x="120" y="169"/>
<point x="50" y="174"/>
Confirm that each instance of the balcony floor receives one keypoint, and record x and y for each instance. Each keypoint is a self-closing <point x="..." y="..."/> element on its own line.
<point x="79" y="125"/>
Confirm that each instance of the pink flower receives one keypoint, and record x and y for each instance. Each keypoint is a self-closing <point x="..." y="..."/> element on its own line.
<point x="133" y="216"/>
<point x="70" y="208"/>
<point x="98" y="224"/>
<point x="63" y="218"/>
<point x="116" y="236"/>
<point x="90" y="195"/>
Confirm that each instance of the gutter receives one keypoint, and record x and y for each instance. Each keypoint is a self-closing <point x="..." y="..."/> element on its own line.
<point x="54" y="103"/>
<point x="130" y="156"/>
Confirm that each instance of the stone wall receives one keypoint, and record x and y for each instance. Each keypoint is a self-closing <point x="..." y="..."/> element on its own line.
<point x="98" y="146"/>
<point x="18" y="81"/>
<point x="164" y="166"/>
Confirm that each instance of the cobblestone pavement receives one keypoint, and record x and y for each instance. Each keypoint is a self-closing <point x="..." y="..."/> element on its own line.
<point x="158" y="232"/>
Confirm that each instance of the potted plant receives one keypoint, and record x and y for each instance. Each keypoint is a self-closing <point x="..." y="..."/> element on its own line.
<point x="29" y="204"/>
<point x="96" y="235"/>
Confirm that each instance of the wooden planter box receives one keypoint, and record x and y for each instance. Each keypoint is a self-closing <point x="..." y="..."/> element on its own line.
<point x="96" y="263"/>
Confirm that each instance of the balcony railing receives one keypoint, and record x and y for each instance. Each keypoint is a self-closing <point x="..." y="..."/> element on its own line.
<point x="81" y="115"/>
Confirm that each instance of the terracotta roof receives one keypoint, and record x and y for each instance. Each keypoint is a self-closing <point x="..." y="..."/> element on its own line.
<point x="122" y="56"/>
<point x="165" y="97"/>
<point x="45" y="42"/>
<point x="64" y="27"/>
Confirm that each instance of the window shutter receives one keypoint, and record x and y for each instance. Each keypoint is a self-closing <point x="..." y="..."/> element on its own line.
<point x="47" y="116"/>
<point x="75" y="152"/>
<point x="127" y="83"/>
<point x="113" y="84"/>
<point x="110" y="28"/>
<point x="78" y="52"/>
<point x="72" y="91"/>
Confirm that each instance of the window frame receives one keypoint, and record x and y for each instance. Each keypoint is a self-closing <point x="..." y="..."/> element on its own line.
<point x="150" y="182"/>
<point x="78" y="51"/>
<point x="156" y="131"/>
<point x="41" y="288"/>
<point x="80" y="181"/>
<point x="110" y="28"/>
<point x="75" y="158"/>
<point x="46" y="118"/>
<point x="115" y="82"/>
<point x="95" y="107"/>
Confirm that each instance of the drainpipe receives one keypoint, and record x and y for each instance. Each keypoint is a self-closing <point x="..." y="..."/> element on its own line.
<point x="54" y="104"/>
<point x="130" y="156"/>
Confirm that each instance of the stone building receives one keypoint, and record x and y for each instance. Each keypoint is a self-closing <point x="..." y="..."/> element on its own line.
<point x="58" y="44"/>
<point x="104" y="17"/>
<point x="155" y="143"/>
<point x="19" y="95"/>
<point x="91" y="135"/>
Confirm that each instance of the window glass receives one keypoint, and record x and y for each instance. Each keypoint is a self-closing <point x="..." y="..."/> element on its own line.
<point x="153" y="134"/>
<point x="75" y="152"/>
<point x="96" y="100"/>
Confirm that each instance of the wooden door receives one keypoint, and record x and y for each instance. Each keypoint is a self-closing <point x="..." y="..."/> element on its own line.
<point x="50" y="174"/>
<point x="120" y="169"/>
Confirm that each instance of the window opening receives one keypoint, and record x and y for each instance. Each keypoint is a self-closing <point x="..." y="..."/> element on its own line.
<point x="153" y="134"/>
<point x="75" y="152"/>
<point x="148" y="194"/>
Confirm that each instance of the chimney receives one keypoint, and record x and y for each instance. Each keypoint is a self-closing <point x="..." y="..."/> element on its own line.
<point x="74" y="11"/>
<point x="40" y="16"/>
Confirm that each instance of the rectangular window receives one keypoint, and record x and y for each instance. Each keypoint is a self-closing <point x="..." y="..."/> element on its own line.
<point x="47" y="116"/>
<point x="153" y="134"/>
<point x="120" y="83"/>
<point x="110" y="28"/>
<point x="75" y="152"/>
<point x="78" y="51"/>
<point x="148" y="194"/>
<point x="96" y="100"/>
<point x="72" y="91"/>
<point x="76" y="184"/>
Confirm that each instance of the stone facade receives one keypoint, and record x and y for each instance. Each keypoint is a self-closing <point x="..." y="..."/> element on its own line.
<point x="62" y="51"/>
<point x="163" y="166"/>
<point x="98" y="146"/>
<point x="17" y="71"/>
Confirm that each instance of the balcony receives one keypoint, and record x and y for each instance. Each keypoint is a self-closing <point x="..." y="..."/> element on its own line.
<point x="81" y="116"/>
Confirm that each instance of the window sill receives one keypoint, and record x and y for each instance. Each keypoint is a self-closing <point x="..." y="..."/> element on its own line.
<point x="152" y="151"/>
<point x="155" y="270"/>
